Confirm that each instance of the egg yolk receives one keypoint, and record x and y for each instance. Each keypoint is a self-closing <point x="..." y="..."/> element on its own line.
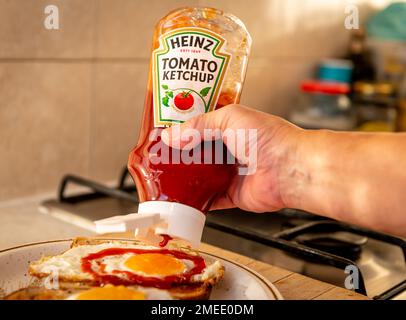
<point x="155" y="264"/>
<point x="111" y="293"/>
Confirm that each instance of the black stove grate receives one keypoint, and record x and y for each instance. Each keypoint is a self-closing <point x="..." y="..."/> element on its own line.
<point x="98" y="190"/>
<point x="334" y="226"/>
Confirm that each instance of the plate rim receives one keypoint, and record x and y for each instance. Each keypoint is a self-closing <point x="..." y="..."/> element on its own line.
<point x="266" y="282"/>
<point x="256" y="274"/>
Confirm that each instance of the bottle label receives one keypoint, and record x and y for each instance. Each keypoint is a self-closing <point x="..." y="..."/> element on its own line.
<point x="188" y="70"/>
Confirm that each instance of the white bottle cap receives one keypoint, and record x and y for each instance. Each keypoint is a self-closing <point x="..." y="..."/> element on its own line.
<point x="183" y="221"/>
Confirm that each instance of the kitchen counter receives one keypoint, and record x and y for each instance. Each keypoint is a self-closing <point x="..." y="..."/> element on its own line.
<point x="22" y="222"/>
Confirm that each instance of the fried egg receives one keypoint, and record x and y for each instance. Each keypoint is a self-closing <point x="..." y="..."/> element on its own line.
<point x="110" y="292"/>
<point x="68" y="266"/>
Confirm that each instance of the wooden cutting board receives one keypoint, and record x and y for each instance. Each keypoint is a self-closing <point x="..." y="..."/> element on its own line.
<point x="292" y="286"/>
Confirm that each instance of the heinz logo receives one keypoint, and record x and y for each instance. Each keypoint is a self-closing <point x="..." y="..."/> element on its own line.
<point x="188" y="70"/>
<point x="190" y="40"/>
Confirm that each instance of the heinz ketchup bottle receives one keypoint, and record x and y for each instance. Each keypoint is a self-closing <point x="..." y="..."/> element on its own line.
<point x="198" y="64"/>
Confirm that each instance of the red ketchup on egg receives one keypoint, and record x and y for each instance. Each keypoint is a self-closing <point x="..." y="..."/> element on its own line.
<point x="198" y="65"/>
<point x="93" y="264"/>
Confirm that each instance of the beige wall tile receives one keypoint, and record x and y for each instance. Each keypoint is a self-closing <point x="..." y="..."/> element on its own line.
<point x="44" y="117"/>
<point x="23" y="35"/>
<point x="290" y="28"/>
<point x="125" y="27"/>
<point x="273" y="86"/>
<point x="117" y="106"/>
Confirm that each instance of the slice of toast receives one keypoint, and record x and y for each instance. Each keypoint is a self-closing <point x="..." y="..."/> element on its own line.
<point x="193" y="291"/>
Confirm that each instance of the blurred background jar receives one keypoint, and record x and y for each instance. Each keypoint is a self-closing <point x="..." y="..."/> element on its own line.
<point x="324" y="104"/>
<point x="361" y="57"/>
<point x="375" y="106"/>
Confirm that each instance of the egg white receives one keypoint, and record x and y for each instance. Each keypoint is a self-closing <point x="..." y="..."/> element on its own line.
<point x="209" y="272"/>
<point x="69" y="264"/>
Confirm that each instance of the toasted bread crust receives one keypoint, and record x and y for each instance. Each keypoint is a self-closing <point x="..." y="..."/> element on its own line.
<point x="201" y="292"/>
<point x="37" y="293"/>
<point x="82" y="241"/>
<point x="193" y="291"/>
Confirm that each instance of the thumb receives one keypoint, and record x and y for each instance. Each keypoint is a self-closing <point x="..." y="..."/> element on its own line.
<point x="207" y="126"/>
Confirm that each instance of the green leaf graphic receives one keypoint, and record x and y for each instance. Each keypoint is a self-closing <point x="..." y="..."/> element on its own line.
<point x="169" y="94"/>
<point x="205" y="91"/>
<point x="165" y="87"/>
<point x="165" y="101"/>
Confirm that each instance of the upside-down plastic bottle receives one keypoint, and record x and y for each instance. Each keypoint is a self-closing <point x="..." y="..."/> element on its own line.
<point x="198" y="64"/>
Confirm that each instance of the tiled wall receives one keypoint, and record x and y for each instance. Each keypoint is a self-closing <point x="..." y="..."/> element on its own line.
<point x="71" y="99"/>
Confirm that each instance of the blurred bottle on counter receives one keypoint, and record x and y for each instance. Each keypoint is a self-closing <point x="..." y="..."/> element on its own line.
<point x="375" y="86"/>
<point x="361" y="57"/>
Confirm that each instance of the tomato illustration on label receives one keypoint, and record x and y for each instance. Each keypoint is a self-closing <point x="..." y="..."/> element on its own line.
<point x="183" y="99"/>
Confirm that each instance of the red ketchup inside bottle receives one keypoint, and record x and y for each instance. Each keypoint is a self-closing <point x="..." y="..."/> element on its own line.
<point x="198" y="65"/>
<point x="193" y="184"/>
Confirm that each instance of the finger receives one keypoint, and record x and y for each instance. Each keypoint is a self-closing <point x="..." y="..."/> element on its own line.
<point x="207" y="126"/>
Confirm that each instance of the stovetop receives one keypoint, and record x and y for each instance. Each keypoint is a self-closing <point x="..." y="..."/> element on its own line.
<point x="301" y="242"/>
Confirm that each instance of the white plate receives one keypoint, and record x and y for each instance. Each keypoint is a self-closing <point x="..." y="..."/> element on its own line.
<point x="239" y="283"/>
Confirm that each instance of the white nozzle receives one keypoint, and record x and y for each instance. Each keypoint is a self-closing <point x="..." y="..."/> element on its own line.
<point x="127" y="222"/>
<point x="174" y="219"/>
<point x="182" y="221"/>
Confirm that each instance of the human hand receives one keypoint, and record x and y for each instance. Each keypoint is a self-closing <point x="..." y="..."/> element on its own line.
<point x="276" y="139"/>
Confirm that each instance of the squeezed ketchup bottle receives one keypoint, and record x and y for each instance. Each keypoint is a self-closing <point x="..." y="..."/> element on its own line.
<point x="198" y="64"/>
